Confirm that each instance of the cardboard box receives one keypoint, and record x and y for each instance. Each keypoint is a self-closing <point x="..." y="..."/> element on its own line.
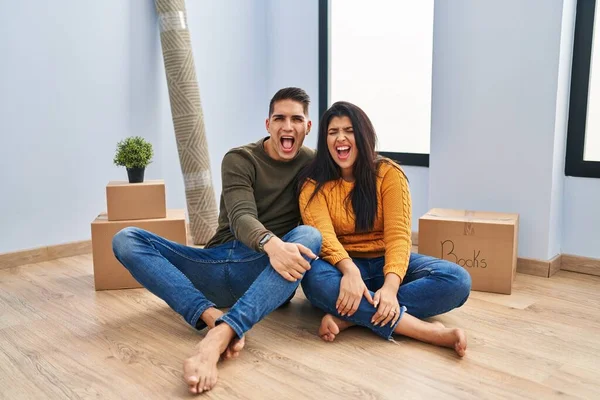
<point x="108" y="271"/>
<point x="127" y="201"/>
<point x="484" y="243"/>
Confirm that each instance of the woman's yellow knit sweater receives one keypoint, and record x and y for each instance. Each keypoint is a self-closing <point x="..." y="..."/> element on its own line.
<point x="332" y="214"/>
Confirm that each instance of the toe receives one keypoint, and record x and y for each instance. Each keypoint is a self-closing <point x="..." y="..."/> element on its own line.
<point x="191" y="380"/>
<point x="238" y="345"/>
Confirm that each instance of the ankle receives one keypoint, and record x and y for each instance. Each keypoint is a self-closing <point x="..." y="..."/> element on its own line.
<point x="210" y="315"/>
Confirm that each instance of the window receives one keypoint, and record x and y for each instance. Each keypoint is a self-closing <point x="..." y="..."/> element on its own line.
<point x="378" y="55"/>
<point x="583" y="138"/>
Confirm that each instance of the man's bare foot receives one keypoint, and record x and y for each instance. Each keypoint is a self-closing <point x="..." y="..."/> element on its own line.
<point x="454" y="338"/>
<point x="233" y="350"/>
<point x="200" y="370"/>
<point x="331" y="326"/>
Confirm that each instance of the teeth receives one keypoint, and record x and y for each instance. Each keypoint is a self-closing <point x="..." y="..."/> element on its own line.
<point x="343" y="148"/>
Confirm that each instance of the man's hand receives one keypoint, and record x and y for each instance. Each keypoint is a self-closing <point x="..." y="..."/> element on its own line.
<point x="352" y="289"/>
<point x="286" y="258"/>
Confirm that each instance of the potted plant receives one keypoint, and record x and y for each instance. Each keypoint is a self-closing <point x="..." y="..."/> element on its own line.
<point x="134" y="153"/>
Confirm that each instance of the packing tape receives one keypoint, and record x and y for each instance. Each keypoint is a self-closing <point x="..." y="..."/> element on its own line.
<point x="197" y="180"/>
<point x="469" y="227"/>
<point x="172" y="21"/>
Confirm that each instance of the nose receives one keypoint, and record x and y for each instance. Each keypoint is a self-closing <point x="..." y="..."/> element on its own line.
<point x="287" y="125"/>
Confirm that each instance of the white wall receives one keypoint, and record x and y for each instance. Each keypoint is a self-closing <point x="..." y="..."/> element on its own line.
<point x="76" y="77"/>
<point x="292" y="42"/>
<point x="493" y="118"/>
<point x="581" y="217"/>
<point x="560" y="128"/>
<point x="293" y="53"/>
<point x="230" y="51"/>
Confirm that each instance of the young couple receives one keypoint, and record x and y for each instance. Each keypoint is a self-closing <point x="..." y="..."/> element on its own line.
<point x="356" y="211"/>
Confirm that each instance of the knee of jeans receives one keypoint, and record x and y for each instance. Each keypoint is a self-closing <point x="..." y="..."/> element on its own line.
<point x="463" y="282"/>
<point x="309" y="237"/>
<point x="122" y="241"/>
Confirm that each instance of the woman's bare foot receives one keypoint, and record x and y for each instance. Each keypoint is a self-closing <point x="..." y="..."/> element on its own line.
<point x="432" y="332"/>
<point x="452" y="337"/>
<point x="331" y="326"/>
<point x="200" y="370"/>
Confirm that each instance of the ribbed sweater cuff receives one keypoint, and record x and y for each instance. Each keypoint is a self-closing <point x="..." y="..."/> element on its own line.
<point x="395" y="269"/>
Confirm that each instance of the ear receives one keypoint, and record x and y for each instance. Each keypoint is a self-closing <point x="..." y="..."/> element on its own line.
<point x="267" y="124"/>
<point x="309" y="126"/>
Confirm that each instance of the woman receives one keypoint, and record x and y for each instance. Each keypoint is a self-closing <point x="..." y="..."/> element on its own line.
<point x="367" y="276"/>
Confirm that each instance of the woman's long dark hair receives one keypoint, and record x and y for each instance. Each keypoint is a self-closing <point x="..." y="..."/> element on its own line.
<point x="323" y="168"/>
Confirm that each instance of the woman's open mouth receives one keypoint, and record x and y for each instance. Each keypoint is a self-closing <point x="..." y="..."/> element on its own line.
<point x="343" y="152"/>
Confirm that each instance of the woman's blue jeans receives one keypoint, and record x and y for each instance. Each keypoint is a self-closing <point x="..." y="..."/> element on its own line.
<point x="191" y="280"/>
<point x="431" y="287"/>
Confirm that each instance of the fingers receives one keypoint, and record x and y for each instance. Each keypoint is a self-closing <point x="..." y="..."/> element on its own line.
<point x="297" y="275"/>
<point x="286" y="275"/>
<point x="385" y="309"/>
<point x="367" y="295"/>
<point x="354" y="306"/>
<point x="376" y="298"/>
<point x="339" y="300"/>
<point x="396" y="317"/>
<point x="390" y="314"/>
<point x="381" y="314"/>
<point x="306" y="251"/>
<point x="344" y="305"/>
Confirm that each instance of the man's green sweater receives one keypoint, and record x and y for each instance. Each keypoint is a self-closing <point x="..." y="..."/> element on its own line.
<point x="258" y="195"/>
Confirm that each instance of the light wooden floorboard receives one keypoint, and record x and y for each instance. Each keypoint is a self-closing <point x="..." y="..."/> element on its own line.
<point x="59" y="339"/>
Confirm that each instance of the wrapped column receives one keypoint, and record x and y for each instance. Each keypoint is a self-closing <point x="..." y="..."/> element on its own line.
<point x="188" y="119"/>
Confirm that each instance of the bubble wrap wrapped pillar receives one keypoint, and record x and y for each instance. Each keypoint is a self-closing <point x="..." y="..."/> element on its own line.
<point x="188" y="120"/>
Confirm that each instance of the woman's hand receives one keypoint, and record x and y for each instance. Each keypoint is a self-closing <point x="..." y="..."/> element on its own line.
<point x="386" y="302"/>
<point x="352" y="289"/>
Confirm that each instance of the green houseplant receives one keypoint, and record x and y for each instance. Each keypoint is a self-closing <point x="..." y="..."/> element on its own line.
<point x="134" y="153"/>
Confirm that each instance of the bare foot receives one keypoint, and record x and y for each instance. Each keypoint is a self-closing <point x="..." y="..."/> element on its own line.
<point x="452" y="337"/>
<point x="331" y="326"/>
<point x="200" y="370"/>
<point x="234" y="348"/>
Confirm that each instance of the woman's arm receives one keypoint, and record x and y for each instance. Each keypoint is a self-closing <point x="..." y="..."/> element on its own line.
<point x="396" y="223"/>
<point x="316" y="214"/>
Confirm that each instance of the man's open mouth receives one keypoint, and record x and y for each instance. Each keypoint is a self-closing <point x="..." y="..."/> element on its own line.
<point x="287" y="143"/>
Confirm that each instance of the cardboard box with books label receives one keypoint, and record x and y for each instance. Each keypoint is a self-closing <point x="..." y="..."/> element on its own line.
<point x="484" y="243"/>
<point x="108" y="271"/>
<point x="127" y="201"/>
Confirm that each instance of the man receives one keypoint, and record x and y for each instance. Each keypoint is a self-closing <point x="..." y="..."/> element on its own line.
<point x="257" y="257"/>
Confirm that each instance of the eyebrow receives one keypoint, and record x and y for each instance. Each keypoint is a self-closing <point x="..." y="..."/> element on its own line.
<point x="344" y="128"/>
<point x="293" y="116"/>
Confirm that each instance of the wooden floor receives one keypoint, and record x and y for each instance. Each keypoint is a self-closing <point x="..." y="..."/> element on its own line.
<point x="59" y="339"/>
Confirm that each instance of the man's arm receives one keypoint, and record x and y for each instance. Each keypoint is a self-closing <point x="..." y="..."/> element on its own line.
<point x="238" y="175"/>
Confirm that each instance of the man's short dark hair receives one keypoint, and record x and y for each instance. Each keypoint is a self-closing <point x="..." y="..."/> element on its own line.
<point x="290" y="93"/>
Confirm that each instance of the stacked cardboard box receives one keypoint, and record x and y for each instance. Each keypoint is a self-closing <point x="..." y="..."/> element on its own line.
<point x="484" y="243"/>
<point x="141" y="205"/>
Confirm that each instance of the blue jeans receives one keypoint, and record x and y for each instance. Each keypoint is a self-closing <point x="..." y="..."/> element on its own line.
<point x="191" y="280"/>
<point x="431" y="287"/>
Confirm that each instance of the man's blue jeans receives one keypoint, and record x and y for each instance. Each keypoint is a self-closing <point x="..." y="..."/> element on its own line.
<point x="431" y="287"/>
<point x="191" y="280"/>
